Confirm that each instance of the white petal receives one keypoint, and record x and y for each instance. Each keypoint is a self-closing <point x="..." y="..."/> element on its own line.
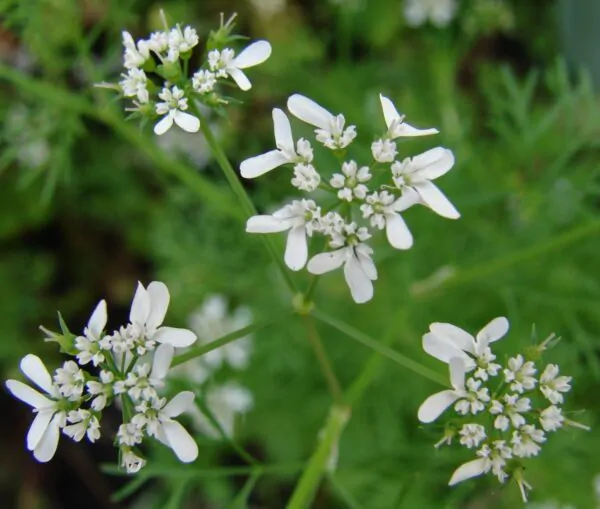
<point x="254" y="54"/>
<point x="34" y="369"/>
<point x="309" y="111"/>
<point x="140" y="306"/>
<point x="455" y="335"/>
<point x="283" y="131"/>
<point x="435" y="405"/>
<point x="326" y="262"/>
<point x="467" y="471"/>
<point x="296" y="248"/>
<point x="179" y="338"/>
<point x="183" y="445"/>
<point x="407" y="130"/>
<point x="28" y="395"/>
<point x="457" y="372"/>
<point x="397" y="232"/>
<point x="38" y="428"/>
<point x="409" y="198"/>
<point x="48" y="444"/>
<point x="440" y="348"/>
<point x="359" y="283"/>
<point x="187" y="122"/>
<point x="259" y="165"/>
<point x="433" y="163"/>
<point x="493" y="331"/>
<point x="162" y="361"/>
<point x="266" y="224"/>
<point x="98" y="319"/>
<point x="182" y="402"/>
<point x="436" y="200"/>
<point x="240" y="79"/>
<point x="367" y="265"/>
<point x="164" y="124"/>
<point x="390" y="113"/>
<point x="158" y="294"/>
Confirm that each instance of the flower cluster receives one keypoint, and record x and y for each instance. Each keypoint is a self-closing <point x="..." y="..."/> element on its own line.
<point x="224" y="398"/>
<point x="159" y="82"/>
<point x="504" y="413"/>
<point x="128" y="366"/>
<point x="377" y="193"/>
<point x="439" y="12"/>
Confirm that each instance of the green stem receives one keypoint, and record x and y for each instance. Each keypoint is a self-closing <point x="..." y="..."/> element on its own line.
<point x="311" y="289"/>
<point x="227" y="338"/>
<point x="306" y="487"/>
<point x="240" y="192"/>
<point x="320" y="352"/>
<point x="361" y="337"/>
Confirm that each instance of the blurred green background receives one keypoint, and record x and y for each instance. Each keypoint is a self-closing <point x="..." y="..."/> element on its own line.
<point x="89" y="205"/>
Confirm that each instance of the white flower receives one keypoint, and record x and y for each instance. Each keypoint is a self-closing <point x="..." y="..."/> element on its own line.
<point x="143" y="381"/>
<point x="553" y="385"/>
<point x="135" y="84"/>
<point x="525" y="441"/>
<point x="306" y="178"/>
<point x="82" y="423"/>
<point x="285" y="152"/>
<point x="299" y="218"/>
<point x="92" y="345"/>
<point x="354" y="256"/>
<point x="103" y="390"/>
<point x="350" y="181"/>
<point x="158" y="42"/>
<point x="158" y="421"/>
<point x="131" y="461"/>
<point x="173" y="108"/>
<point x="225" y="403"/>
<point x="551" y="418"/>
<point x="182" y="41"/>
<point x="520" y="374"/>
<point x="70" y="380"/>
<point x="439" y="12"/>
<point x="225" y="63"/>
<point x="130" y="434"/>
<point x="472" y="435"/>
<point x="416" y="173"/>
<point x="330" y="129"/>
<point x="445" y="341"/>
<point x="147" y="314"/>
<point x="134" y="56"/>
<point x="204" y="81"/>
<point x="382" y="209"/>
<point x="384" y="151"/>
<point x="397" y="128"/>
<point x="44" y="432"/>
<point x="510" y="412"/>
<point x="490" y="458"/>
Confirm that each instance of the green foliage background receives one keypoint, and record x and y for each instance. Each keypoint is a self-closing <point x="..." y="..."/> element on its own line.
<point x="109" y="207"/>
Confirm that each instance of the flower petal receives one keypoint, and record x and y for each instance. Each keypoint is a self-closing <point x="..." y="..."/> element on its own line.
<point x="440" y="348"/>
<point x="359" y="283"/>
<point x="296" y="248"/>
<point x="159" y="297"/>
<point x="390" y="113"/>
<point x="189" y="123"/>
<point x="467" y="471"/>
<point x="140" y="306"/>
<point x="179" y="338"/>
<point x="97" y="321"/>
<point x="283" y="131"/>
<point x="326" y="262"/>
<point x="367" y="265"/>
<point x="409" y="198"/>
<point x="259" y="165"/>
<point x="397" y="232"/>
<point x="455" y="335"/>
<point x="38" y="428"/>
<point x="266" y="224"/>
<point x="493" y="331"/>
<point x="28" y="395"/>
<point x="164" y="124"/>
<point x="180" y="403"/>
<point x="309" y="111"/>
<point x="252" y="55"/>
<point x="433" y="163"/>
<point x="48" y="444"/>
<point x="240" y="79"/>
<point x="457" y="372"/>
<point x="436" y="200"/>
<point x="435" y="405"/>
<point x="34" y="369"/>
<point x="182" y="443"/>
<point x="162" y="360"/>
